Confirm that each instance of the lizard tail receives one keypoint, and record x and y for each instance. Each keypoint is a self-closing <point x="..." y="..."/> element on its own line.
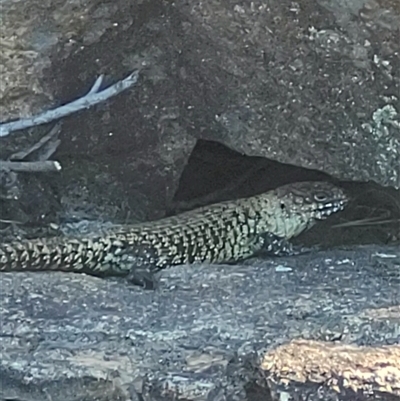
<point x="48" y="254"/>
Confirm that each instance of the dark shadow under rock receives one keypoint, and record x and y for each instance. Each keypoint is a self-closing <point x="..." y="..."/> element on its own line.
<point x="216" y="173"/>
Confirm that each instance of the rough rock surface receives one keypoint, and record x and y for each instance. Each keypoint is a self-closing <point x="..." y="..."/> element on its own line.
<point x="314" y="84"/>
<point x="343" y="368"/>
<point x="201" y="336"/>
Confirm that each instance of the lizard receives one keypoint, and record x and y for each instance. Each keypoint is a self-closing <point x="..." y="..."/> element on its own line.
<point x="224" y="232"/>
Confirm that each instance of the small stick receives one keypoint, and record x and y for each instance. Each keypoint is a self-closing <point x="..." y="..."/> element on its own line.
<point x="366" y="222"/>
<point x="30" y="167"/>
<point x="50" y="135"/>
<point x="96" y="85"/>
<point x="91" y="98"/>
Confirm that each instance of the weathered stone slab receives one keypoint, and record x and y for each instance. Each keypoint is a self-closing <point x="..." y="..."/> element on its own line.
<point x="201" y="336"/>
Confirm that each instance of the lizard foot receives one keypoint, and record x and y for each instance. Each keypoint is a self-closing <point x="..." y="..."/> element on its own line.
<point x="143" y="278"/>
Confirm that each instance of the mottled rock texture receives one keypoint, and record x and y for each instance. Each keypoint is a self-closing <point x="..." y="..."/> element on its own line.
<point x="313" y="83"/>
<point x="204" y="334"/>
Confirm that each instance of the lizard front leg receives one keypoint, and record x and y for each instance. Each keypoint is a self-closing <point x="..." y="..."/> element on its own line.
<point x="267" y="244"/>
<point x="272" y="245"/>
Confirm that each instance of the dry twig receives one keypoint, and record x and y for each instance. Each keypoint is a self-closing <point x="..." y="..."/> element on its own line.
<point x="93" y="97"/>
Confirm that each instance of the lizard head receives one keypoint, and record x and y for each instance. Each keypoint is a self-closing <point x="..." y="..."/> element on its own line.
<point x="317" y="199"/>
<point x="304" y="203"/>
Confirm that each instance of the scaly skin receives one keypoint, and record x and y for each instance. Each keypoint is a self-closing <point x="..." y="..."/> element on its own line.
<point x="220" y="233"/>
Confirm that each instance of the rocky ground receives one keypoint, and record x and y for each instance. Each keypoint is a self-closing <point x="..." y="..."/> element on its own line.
<point x="208" y="333"/>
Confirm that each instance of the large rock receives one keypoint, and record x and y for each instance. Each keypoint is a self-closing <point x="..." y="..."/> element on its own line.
<point x="203" y="334"/>
<point x="313" y="84"/>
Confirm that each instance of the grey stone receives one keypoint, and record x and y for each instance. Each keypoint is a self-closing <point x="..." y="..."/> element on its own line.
<point x="199" y="335"/>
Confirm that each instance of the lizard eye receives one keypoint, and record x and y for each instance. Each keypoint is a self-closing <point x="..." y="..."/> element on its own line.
<point x="321" y="197"/>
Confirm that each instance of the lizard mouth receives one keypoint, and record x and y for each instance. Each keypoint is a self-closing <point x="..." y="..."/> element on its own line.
<point x="326" y="209"/>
